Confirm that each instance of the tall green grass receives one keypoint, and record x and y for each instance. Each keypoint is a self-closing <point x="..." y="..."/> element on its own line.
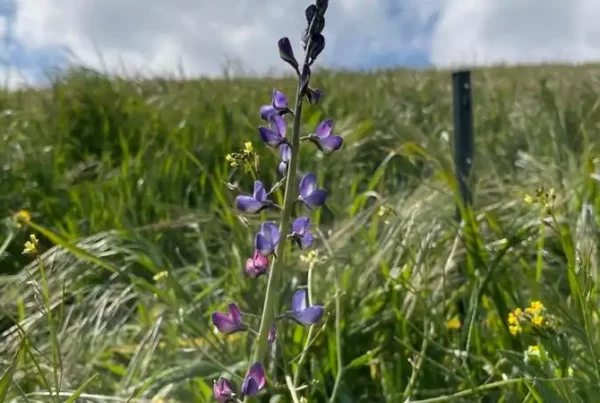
<point x="138" y="241"/>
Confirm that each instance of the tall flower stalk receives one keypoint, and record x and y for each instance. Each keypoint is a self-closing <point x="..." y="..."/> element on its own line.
<point x="270" y="239"/>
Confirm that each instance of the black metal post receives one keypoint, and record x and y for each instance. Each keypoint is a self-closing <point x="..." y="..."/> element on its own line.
<point x="463" y="133"/>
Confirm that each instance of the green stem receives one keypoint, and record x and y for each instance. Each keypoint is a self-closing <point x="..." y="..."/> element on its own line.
<point x="311" y="330"/>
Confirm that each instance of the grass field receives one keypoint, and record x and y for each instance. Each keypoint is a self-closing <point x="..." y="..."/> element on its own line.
<point x="139" y="242"/>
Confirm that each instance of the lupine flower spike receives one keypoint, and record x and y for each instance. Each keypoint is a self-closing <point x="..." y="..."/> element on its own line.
<point x="303" y="314"/>
<point x="324" y="140"/>
<point x="230" y="322"/>
<point x="257" y="265"/>
<point x="222" y="390"/>
<point x="275" y="135"/>
<point x="255" y="203"/>
<point x="279" y="105"/>
<point x="309" y="194"/>
<point x="267" y="238"/>
<point x="301" y="234"/>
<point x="255" y="380"/>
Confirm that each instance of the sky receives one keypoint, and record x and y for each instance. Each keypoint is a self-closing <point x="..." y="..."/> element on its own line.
<point x="209" y="37"/>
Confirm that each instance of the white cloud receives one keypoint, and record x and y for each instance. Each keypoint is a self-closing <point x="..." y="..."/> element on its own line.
<point x="202" y="35"/>
<point x="498" y="31"/>
<point x="158" y="35"/>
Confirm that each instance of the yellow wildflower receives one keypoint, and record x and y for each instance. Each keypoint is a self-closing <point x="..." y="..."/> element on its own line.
<point x="31" y="245"/>
<point x="513" y="317"/>
<point x="537" y="320"/>
<point x="528" y="199"/>
<point x="311" y="257"/>
<point x="22" y="217"/>
<point x="534" y="308"/>
<point x="514" y="329"/>
<point x="160" y="275"/>
<point x="231" y="160"/>
<point x="454" y="323"/>
<point x="533" y="351"/>
<point x="248" y="149"/>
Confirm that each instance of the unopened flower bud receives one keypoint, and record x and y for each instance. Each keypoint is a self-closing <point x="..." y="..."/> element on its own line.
<point x="310" y="12"/>
<point x="286" y="52"/>
<point x="322" y="6"/>
<point x="317" y="44"/>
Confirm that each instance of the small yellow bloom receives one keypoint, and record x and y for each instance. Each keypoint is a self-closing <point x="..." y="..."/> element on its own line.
<point x="514" y="329"/>
<point x="513" y="317"/>
<point x="22" y="217"/>
<point x="31" y="245"/>
<point x="161" y="275"/>
<point x="311" y="257"/>
<point x="537" y="320"/>
<point x="454" y="323"/>
<point x="248" y="149"/>
<point x="533" y="351"/>
<point x="534" y="308"/>
<point x="528" y="199"/>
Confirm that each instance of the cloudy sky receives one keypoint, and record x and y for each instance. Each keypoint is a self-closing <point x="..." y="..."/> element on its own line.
<point x="201" y="37"/>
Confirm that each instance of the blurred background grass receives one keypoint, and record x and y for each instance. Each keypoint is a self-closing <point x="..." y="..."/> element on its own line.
<point x="126" y="184"/>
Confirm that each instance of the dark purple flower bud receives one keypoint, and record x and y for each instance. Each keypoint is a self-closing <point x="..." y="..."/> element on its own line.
<point x="275" y="135"/>
<point x="323" y="138"/>
<point x="257" y="265"/>
<point x="267" y="238"/>
<point x="301" y="232"/>
<point x="303" y="314"/>
<point x="222" y="390"/>
<point x="255" y="380"/>
<point x="318" y="25"/>
<point x="255" y="203"/>
<point x="272" y="334"/>
<point x="230" y="322"/>
<point x="322" y="6"/>
<point x="286" y="52"/>
<point x="309" y="194"/>
<point x="285" y="153"/>
<point x="279" y="105"/>
<point x="310" y="12"/>
<point x="316" y="47"/>
<point x="313" y="96"/>
<point x="304" y="79"/>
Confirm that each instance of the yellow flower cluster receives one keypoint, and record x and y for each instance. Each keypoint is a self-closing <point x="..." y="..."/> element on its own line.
<point x="311" y="258"/>
<point x="454" y="323"/>
<point x="534" y="313"/>
<point x="237" y="159"/>
<point x="31" y="245"/>
<point x="22" y="217"/>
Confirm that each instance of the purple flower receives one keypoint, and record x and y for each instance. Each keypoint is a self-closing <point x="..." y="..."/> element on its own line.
<point x="279" y="105"/>
<point x="257" y="265"/>
<point x="272" y="334"/>
<point x="303" y="314"/>
<point x="301" y="232"/>
<point x="313" y="96"/>
<point x="323" y="138"/>
<point x="267" y="238"/>
<point x="316" y="47"/>
<point x="255" y="380"/>
<point x="222" y="390"/>
<point x="229" y="322"/>
<point x="285" y="152"/>
<point x="309" y="194"/>
<point x="275" y="135"/>
<point x="255" y="203"/>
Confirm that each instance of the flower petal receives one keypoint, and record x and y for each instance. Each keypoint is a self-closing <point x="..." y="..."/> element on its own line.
<point x="308" y="184"/>
<point x="279" y="100"/>
<point x="277" y="124"/>
<point x="286" y="52"/>
<point x="248" y="204"/>
<point x="266" y="111"/>
<point x="324" y="128"/>
<point x="316" y="198"/>
<point x="271" y="231"/>
<point x="263" y="245"/>
<point x="306" y="241"/>
<point x="271" y="138"/>
<point x="249" y="387"/>
<point x="282" y="168"/>
<point x="300" y="225"/>
<point x="310" y="315"/>
<point x="257" y="372"/>
<point x="224" y="323"/>
<point x="330" y="144"/>
<point x="235" y="314"/>
<point x="299" y="300"/>
<point x="259" y="192"/>
<point x="285" y="152"/>
<point x="313" y="96"/>
<point x="222" y="390"/>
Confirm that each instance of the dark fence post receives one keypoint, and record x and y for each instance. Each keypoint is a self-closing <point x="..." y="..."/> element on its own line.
<point x="463" y="133"/>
